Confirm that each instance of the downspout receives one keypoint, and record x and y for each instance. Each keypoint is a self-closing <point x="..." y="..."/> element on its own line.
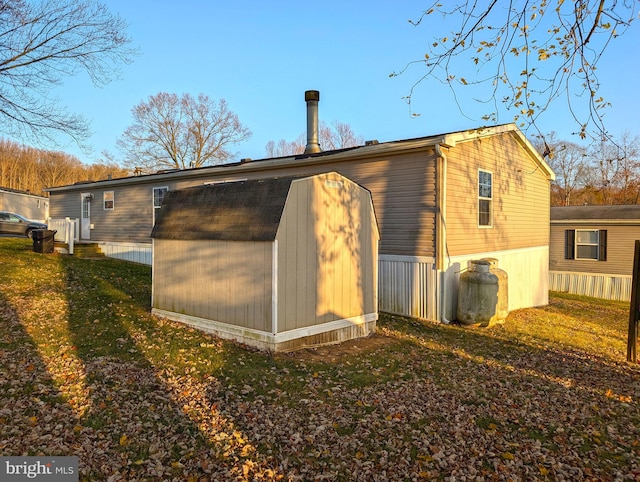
<point x="441" y="233"/>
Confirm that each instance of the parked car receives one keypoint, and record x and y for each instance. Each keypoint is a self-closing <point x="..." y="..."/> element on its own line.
<point x="12" y="223"/>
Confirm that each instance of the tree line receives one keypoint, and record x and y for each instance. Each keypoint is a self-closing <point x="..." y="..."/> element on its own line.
<point x="607" y="172"/>
<point x="603" y="173"/>
<point x="32" y="170"/>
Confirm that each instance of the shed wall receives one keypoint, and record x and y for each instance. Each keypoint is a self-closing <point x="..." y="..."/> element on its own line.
<point x="520" y="201"/>
<point x="620" y="249"/>
<point x="327" y="257"/>
<point x="187" y="280"/>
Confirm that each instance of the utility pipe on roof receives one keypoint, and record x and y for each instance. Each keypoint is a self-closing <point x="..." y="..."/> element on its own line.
<point x="441" y="232"/>
<point x="312" y="97"/>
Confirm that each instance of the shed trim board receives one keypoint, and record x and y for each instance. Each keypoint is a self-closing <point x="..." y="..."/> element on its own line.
<point x="262" y="339"/>
<point x="274" y="287"/>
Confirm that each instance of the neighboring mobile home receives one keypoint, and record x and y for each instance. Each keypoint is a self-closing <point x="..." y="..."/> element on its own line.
<point x="24" y="203"/>
<point x="591" y="250"/>
<point x="280" y="263"/>
<point x="440" y="201"/>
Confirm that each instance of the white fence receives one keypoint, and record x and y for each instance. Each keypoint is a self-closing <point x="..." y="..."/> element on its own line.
<point x="67" y="230"/>
<point x="605" y="286"/>
<point x="136" y="252"/>
<point x="407" y="286"/>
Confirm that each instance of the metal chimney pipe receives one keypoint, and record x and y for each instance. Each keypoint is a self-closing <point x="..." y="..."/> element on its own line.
<point x="312" y="97"/>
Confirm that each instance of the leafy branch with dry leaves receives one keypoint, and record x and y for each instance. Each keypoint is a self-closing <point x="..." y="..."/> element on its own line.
<point x="524" y="56"/>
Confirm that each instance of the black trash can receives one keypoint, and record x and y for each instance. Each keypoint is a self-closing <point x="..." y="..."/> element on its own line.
<point x="43" y="240"/>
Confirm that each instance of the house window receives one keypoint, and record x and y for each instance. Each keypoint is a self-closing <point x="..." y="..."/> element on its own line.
<point x="158" y="196"/>
<point x="107" y="200"/>
<point x="485" y="196"/>
<point x="86" y="206"/>
<point x="586" y="244"/>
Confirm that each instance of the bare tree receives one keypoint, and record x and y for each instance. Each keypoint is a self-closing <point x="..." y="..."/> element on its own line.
<point x="614" y="171"/>
<point x="338" y="135"/>
<point x="628" y="158"/>
<point x="284" y="148"/>
<point x="57" y="168"/>
<point x="180" y="132"/>
<point x="526" y="54"/>
<point x="43" y="42"/>
<point x="570" y="163"/>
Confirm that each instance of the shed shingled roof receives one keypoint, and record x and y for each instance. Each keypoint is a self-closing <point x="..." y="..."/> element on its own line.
<point x="235" y="211"/>
<point x="594" y="213"/>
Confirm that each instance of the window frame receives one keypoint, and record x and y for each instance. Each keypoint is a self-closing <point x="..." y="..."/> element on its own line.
<point x="485" y="199"/>
<point x="571" y="245"/>
<point x="153" y="196"/>
<point x="578" y="244"/>
<point x="105" y="200"/>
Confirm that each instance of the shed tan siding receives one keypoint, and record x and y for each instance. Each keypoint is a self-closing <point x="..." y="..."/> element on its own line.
<point x="520" y="205"/>
<point x="620" y="249"/>
<point x="402" y="187"/>
<point x="327" y="257"/>
<point x="187" y="280"/>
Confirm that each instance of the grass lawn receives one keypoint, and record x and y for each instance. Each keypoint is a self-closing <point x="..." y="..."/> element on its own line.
<point x="85" y="370"/>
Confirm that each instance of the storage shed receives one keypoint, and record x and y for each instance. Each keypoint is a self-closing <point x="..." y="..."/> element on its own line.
<point x="276" y="263"/>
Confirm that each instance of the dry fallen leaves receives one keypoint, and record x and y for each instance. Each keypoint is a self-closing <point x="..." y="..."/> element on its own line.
<point x="416" y="402"/>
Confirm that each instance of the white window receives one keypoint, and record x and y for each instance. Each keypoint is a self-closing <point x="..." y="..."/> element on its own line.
<point x="107" y="200"/>
<point x="86" y="206"/>
<point x="587" y="244"/>
<point x="158" y="196"/>
<point x="485" y="198"/>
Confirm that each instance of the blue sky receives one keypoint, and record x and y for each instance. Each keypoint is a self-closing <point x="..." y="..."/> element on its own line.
<point x="262" y="56"/>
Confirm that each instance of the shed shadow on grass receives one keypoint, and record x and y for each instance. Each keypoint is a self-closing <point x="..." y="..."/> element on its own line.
<point x="33" y="412"/>
<point x="134" y="421"/>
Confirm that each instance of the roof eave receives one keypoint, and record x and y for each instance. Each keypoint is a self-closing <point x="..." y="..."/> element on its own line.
<point x="385" y="148"/>
<point x="261" y="165"/>
<point x="597" y="221"/>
